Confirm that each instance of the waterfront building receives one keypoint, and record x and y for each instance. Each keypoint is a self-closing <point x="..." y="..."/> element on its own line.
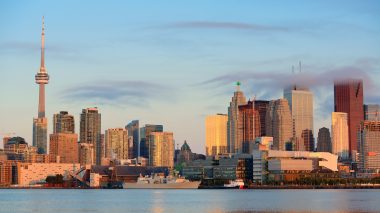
<point x="279" y="123"/>
<point x="144" y="137"/>
<point x="348" y="98"/>
<point x="290" y="165"/>
<point x="34" y="173"/>
<point x="300" y="101"/>
<point x="90" y="132"/>
<point x="220" y="168"/>
<point x="248" y="126"/>
<point x="372" y="112"/>
<point x="324" y="140"/>
<point x="63" y="123"/>
<point x="216" y="134"/>
<point x="369" y="146"/>
<point x="233" y="116"/>
<point x="262" y="107"/>
<point x="40" y="123"/>
<point x="340" y="136"/>
<point x="118" y="145"/>
<point x="161" y="149"/>
<point x="64" y="148"/>
<point x="134" y="130"/>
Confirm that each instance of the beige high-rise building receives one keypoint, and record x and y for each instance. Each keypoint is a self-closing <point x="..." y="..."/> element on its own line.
<point x="233" y="119"/>
<point x="117" y="144"/>
<point x="369" y="146"/>
<point x="161" y="149"/>
<point x="279" y="123"/>
<point x="86" y="154"/>
<point x="216" y="134"/>
<point x="300" y="101"/>
<point x="339" y="135"/>
<point x="64" y="148"/>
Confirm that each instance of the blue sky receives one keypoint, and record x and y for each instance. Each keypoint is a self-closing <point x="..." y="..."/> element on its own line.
<point x="174" y="62"/>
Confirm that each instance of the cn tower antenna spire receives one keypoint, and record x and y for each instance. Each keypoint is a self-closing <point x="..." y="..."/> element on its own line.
<point x="42" y="68"/>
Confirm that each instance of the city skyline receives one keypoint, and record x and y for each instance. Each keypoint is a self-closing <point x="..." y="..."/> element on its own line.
<point x="146" y="69"/>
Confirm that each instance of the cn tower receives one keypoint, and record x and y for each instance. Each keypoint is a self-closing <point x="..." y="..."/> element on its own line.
<point x="40" y="123"/>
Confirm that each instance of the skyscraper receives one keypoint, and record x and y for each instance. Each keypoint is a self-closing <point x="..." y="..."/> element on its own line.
<point x="324" y="140"/>
<point x="262" y="107"/>
<point x="248" y="126"/>
<point x="372" y="112"/>
<point x="161" y="149"/>
<point x="233" y="116"/>
<point x="300" y="101"/>
<point x="117" y="144"/>
<point x="64" y="148"/>
<point x="339" y="135"/>
<point x="90" y="132"/>
<point x="369" y="146"/>
<point x="279" y="123"/>
<point x="63" y="123"/>
<point x="134" y="131"/>
<point x="216" y="134"/>
<point x="144" y="138"/>
<point x="40" y="123"/>
<point x="348" y="98"/>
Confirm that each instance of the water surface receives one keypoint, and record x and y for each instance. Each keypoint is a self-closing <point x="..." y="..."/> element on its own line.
<point x="73" y="200"/>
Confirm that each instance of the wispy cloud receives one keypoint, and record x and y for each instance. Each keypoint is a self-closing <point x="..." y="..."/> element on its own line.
<point x="111" y="92"/>
<point x="226" y="25"/>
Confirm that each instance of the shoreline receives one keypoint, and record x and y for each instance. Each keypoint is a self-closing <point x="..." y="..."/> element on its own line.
<point x="266" y="187"/>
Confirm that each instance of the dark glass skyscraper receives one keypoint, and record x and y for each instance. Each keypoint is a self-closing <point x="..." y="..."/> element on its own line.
<point x="348" y="98"/>
<point x="324" y="140"/>
<point x="90" y="133"/>
<point x="133" y="129"/>
<point x="262" y="107"/>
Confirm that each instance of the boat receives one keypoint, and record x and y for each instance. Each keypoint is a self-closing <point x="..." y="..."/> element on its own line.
<point x="159" y="181"/>
<point x="238" y="184"/>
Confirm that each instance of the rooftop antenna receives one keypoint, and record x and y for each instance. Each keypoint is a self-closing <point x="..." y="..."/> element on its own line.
<point x="300" y="66"/>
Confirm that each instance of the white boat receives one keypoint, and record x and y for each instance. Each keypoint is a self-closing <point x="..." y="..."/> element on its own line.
<point x="238" y="183"/>
<point x="157" y="181"/>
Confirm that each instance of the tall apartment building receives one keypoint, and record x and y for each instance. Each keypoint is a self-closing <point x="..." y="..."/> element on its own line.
<point x="339" y="135"/>
<point x="348" y="98"/>
<point x="233" y="116"/>
<point x="63" y="122"/>
<point x="64" y="148"/>
<point x="90" y="131"/>
<point x="117" y="144"/>
<point x="216" y="134"/>
<point x="279" y="123"/>
<point x="161" y="149"/>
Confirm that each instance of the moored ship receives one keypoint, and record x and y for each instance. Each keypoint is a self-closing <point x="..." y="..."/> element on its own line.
<point x="157" y="181"/>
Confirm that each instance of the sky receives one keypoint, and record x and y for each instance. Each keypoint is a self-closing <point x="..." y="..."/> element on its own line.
<point x="174" y="62"/>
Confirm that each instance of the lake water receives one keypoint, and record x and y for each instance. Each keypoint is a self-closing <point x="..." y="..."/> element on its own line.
<point x="67" y="200"/>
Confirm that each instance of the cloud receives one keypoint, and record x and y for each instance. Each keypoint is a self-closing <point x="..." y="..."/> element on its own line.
<point x="119" y="93"/>
<point x="226" y="25"/>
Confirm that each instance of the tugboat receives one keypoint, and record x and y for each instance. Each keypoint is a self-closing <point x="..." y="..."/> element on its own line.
<point x="159" y="181"/>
